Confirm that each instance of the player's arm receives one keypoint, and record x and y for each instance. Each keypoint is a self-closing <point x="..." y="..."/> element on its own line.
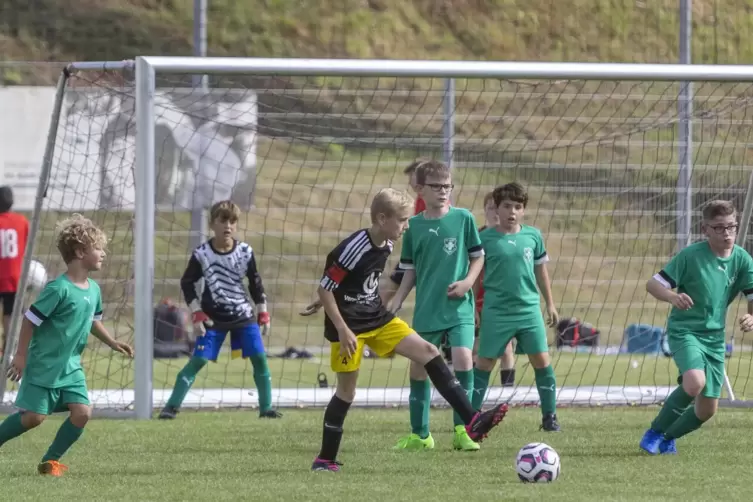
<point x="662" y="285"/>
<point x="191" y="276"/>
<point x="100" y="332"/>
<point x="746" y="286"/>
<point x="256" y="288"/>
<point x="475" y="251"/>
<point x="407" y="257"/>
<point x="544" y="283"/>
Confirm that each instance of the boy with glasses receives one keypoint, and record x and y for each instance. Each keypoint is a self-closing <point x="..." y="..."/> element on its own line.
<point x="700" y="282"/>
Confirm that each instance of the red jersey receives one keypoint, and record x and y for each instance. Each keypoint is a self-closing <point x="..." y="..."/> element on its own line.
<point x="420" y="205"/>
<point x="14" y="232"/>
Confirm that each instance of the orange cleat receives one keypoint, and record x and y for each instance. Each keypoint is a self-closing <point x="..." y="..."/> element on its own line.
<point x="52" y="468"/>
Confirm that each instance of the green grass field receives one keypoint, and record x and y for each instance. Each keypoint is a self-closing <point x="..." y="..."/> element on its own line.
<point x="234" y="455"/>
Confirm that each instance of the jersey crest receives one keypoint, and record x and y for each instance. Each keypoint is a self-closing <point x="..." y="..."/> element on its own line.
<point x="450" y="245"/>
<point x="528" y="255"/>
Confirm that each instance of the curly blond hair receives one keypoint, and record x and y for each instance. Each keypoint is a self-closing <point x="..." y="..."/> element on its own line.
<point x="78" y="233"/>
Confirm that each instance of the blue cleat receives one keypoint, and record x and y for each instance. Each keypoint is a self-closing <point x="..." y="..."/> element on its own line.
<point x="651" y="441"/>
<point x="668" y="447"/>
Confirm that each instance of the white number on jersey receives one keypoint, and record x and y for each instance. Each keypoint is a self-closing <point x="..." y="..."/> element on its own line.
<point x="8" y="243"/>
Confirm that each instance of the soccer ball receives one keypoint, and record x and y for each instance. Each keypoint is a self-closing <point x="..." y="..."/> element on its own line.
<point x="537" y="463"/>
<point x="37" y="276"/>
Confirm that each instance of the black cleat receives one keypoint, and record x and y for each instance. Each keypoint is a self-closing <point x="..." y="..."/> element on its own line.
<point x="168" y="413"/>
<point x="270" y="414"/>
<point x="325" y="465"/>
<point x="550" y="424"/>
<point x="485" y="421"/>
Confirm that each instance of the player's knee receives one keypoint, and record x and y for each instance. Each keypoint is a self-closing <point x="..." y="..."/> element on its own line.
<point x="540" y="360"/>
<point x="693" y="383"/>
<point x="346" y="386"/>
<point x="197" y="363"/>
<point x="80" y="415"/>
<point x="30" y="420"/>
<point x="484" y="363"/>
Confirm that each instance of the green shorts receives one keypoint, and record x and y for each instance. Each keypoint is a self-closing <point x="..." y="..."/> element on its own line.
<point x="46" y="401"/>
<point x="461" y="335"/>
<point x="495" y="334"/>
<point x="692" y="353"/>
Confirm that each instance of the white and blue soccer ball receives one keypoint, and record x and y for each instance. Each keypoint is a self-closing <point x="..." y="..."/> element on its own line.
<point x="537" y="463"/>
<point x="37" y="277"/>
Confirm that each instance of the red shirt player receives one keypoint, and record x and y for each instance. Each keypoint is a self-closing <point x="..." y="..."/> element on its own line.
<point x="14" y="232"/>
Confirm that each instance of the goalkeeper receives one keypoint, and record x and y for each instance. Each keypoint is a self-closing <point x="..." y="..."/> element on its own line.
<point x="223" y="263"/>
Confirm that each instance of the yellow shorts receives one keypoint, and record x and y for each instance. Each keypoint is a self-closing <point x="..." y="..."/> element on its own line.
<point x="381" y="340"/>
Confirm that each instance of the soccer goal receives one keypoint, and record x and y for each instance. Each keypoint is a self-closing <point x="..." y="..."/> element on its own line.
<point x="618" y="160"/>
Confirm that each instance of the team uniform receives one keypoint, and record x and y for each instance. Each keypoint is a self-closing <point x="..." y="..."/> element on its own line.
<point x="440" y="251"/>
<point x="512" y="308"/>
<point x="14" y="233"/>
<point x="224" y="299"/>
<point x="351" y="272"/>
<point x="398" y="274"/>
<point x="225" y="302"/>
<point x="62" y="315"/>
<point x="696" y="336"/>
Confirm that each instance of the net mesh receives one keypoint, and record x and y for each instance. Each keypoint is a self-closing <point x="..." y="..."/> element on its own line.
<point x="303" y="156"/>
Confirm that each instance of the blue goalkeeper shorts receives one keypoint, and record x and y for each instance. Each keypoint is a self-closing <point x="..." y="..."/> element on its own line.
<point x="244" y="342"/>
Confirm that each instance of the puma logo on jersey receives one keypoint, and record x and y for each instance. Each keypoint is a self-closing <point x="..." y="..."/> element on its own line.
<point x="513" y="243"/>
<point x="434" y="231"/>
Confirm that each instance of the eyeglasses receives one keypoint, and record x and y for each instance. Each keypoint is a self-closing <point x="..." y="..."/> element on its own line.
<point x="438" y="187"/>
<point x="721" y="229"/>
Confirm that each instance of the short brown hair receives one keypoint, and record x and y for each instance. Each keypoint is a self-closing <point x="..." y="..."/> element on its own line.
<point x="717" y="208"/>
<point x="415" y="165"/>
<point x="512" y="191"/>
<point x="432" y="168"/>
<point x="225" y="210"/>
<point x="78" y="234"/>
<point x="389" y="202"/>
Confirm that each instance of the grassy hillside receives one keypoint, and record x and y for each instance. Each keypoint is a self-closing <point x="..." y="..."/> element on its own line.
<point x="570" y="30"/>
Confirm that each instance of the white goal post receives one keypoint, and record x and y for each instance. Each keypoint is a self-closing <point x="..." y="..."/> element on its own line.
<point x="147" y="70"/>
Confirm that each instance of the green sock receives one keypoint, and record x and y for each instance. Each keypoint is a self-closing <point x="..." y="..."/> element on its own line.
<point x="11" y="428"/>
<point x="466" y="381"/>
<point x="480" y="384"/>
<point x="420" y="400"/>
<point x="685" y="424"/>
<point x="185" y="380"/>
<point x="263" y="381"/>
<point x="64" y="439"/>
<point x="547" y="387"/>
<point x="675" y="405"/>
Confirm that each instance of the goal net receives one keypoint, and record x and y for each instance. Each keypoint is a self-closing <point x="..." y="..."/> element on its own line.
<point x="303" y="155"/>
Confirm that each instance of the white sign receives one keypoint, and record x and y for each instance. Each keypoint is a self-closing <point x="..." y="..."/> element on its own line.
<point x="205" y="147"/>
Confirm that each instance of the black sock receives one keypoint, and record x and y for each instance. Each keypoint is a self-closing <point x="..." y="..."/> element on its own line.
<point x="508" y="377"/>
<point x="450" y="389"/>
<point x="334" y="417"/>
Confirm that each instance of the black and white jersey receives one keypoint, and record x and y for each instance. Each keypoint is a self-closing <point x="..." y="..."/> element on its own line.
<point x="224" y="297"/>
<point x="351" y="273"/>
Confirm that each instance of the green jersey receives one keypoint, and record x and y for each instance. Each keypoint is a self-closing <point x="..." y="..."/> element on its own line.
<point x="711" y="282"/>
<point x="62" y="316"/>
<point x="510" y="289"/>
<point x="440" y="250"/>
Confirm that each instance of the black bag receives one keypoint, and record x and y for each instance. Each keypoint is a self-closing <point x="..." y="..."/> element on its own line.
<point x="571" y="332"/>
<point x="171" y="338"/>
